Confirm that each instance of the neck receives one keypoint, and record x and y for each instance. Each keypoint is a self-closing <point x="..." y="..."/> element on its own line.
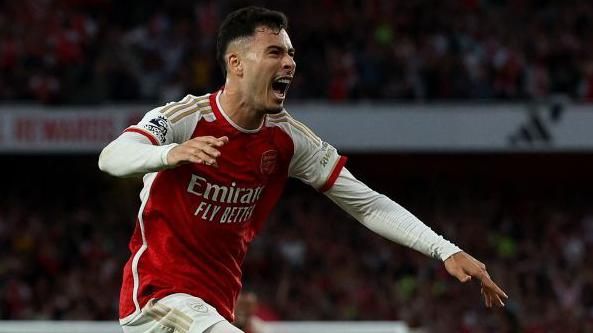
<point x="237" y="109"/>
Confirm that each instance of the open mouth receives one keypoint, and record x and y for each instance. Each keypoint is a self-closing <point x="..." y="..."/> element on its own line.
<point x="280" y="86"/>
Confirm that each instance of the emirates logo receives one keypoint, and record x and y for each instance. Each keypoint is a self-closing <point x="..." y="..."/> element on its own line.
<point x="269" y="160"/>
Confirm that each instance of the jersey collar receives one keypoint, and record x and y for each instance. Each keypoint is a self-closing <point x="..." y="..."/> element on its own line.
<point x="219" y="112"/>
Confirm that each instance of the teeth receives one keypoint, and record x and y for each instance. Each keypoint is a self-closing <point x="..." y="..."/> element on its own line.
<point x="287" y="81"/>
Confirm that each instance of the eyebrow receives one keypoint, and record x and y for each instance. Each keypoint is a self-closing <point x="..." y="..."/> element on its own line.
<point x="281" y="48"/>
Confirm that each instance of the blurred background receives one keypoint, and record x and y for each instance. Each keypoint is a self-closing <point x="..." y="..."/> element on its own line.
<point x="473" y="114"/>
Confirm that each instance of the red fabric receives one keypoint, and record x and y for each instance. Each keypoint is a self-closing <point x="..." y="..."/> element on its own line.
<point x="334" y="175"/>
<point x="150" y="137"/>
<point x="191" y="245"/>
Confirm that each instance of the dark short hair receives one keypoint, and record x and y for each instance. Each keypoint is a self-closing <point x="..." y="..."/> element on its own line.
<point x="242" y="23"/>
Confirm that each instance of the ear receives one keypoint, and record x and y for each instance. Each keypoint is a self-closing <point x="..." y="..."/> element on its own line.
<point x="234" y="64"/>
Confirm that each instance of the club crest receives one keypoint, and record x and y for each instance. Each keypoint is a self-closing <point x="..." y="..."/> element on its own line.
<point x="269" y="160"/>
<point x="198" y="306"/>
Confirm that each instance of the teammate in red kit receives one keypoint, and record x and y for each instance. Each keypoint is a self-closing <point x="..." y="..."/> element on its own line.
<point x="214" y="167"/>
<point x="245" y="317"/>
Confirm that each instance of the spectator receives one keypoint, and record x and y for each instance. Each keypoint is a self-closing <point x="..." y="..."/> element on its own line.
<point x="54" y="51"/>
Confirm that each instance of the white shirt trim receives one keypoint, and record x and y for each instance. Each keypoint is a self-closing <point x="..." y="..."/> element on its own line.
<point x="237" y="127"/>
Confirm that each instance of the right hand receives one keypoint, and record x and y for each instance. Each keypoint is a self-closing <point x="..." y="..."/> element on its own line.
<point x="463" y="266"/>
<point x="201" y="150"/>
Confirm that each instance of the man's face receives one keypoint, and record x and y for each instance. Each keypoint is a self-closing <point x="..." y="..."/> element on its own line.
<point x="268" y="68"/>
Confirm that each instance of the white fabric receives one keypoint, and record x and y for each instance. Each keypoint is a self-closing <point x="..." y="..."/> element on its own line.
<point x="180" y="313"/>
<point x="133" y="154"/>
<point x="387" y="218"/>
<point x="158" y="120"/>
<point x="223" y="327"/>
<point x="313" y="159"/>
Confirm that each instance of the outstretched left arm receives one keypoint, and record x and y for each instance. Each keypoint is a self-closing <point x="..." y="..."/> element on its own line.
<point x="390" y="220"/>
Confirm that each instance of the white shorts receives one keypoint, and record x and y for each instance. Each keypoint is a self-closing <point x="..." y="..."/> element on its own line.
<point x="175" y="313"/>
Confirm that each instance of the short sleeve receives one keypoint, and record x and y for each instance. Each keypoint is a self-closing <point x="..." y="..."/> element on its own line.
<point x="315" y="162"/>
<point x="174" y="122"/>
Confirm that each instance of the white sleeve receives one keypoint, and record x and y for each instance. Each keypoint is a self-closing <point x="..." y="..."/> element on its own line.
<point x="143" y="148"/>
<point x="133" y="154"/>
<point x="387" y="218"/>
<point x="172" y="123"/>
<point x="314" y="161"/>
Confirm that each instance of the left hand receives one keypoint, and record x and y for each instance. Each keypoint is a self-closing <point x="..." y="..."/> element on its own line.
<point x="463" y="266"/>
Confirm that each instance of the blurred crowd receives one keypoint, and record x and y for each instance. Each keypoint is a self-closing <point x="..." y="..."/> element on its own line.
<point x="101" y="51"/>
<point x="326" y="266"/>
<point x="62" y="244"/>
<point x="63" y="249"/>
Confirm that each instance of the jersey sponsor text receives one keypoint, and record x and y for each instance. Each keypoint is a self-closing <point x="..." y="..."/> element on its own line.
<point x="242" y="200"/>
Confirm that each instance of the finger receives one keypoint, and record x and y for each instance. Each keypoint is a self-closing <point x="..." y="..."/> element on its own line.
<point x="198" y="156"/>
<point x="205" y="146"/>
<point x="218" y="142"/>
<point x="482" y="266"/>
<point x="209" y="163"/>
<point x="195" y="159"/>
<point x="483" y="292"/>
<point x="499" y="301"/>
<point x="479" y="263"/>
<point x="213" y="152"/>
<point x="491" y="292"/>
<point x="487" y="300"/>
<point x="205" y="152"/>
<point x="494" y="299"/>
<point x="224" y="139"/>
<point x="208" y="160"/>
<point x="485" y="297"/>
<point x="207" y="139"/>
<point x="489" y="284"/>
<point x="461" y="276"/>
<point x="202" y="141"/>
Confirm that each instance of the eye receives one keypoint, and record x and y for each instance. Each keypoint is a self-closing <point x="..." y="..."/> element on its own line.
<point x="275" y="52"/>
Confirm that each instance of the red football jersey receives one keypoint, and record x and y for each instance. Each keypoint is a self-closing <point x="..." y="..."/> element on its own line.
<point x="196" y="221"/>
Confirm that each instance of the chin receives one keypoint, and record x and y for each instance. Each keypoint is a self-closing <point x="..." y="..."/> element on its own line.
<point x="274" y="108"/>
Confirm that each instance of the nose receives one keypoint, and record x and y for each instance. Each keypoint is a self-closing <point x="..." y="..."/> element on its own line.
<point x="288" y="64"/>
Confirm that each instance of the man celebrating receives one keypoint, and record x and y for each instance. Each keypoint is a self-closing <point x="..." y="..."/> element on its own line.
<point x="214" y="167"/>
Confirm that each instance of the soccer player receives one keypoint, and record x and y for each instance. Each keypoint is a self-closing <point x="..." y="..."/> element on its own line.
<point x="214" y="167"/>
<point x="245" y="317"/>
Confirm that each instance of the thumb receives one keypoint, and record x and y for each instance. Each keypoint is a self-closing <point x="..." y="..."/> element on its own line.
<point x="461" y="275"/>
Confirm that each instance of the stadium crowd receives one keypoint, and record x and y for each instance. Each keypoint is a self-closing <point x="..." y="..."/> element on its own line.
<point x="62" y="255"/>
<point x="98" y="51"/>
